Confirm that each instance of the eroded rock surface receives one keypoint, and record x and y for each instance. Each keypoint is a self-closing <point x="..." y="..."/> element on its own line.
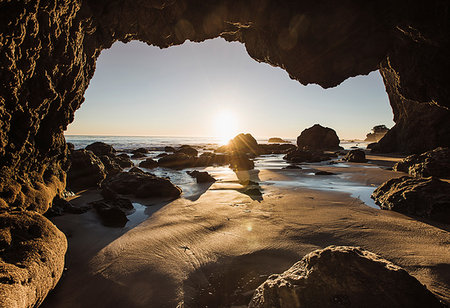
<point x="32" y="253"/>
<point x="431" y="163"/>
<point x="343" y="276"/>
<point x="86" y="170"/>
<point x="422" y="197"/>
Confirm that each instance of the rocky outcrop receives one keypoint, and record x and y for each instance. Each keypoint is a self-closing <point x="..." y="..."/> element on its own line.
<point x="188" y="150"/>
<point x="141" y="185"/>
<point x="148" y="163"/>
<point x="343" y="276"/>
<point x="86" y="170"/>
<point x="177" y="161"/>
<point x="201" y="177"/>
<point x="123" y="160"/>
<point x="355" y="156"/>
<point x="101" y="148"/>
<point x="318" y="137"/>
<point x="421" y="197"/>
<point x="111" y="165"/>
<point x="432" y="163"/>
<point x="32" y="253"/>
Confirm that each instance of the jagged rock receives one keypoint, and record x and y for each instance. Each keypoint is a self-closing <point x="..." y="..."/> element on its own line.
<point x="355" y="156"/>
<point x="318" y="137"/>
<point x="101" y="148"/>
<point x="240" y="161"/>
<point x="277" y="140"/>
<point x="111" y="165"/>
<point x="201" y="177"/>
<point x="343" y="276"/>
<point x="422" y="197"/>
<point x="124" y="160"/>
<point x="188" y="150"/>
<point x="113" y="211"/>
<point x="32" y="253"/>
<point x="86" y="170"/>
<point x="141" y="185"/>
<point x="431" y="163"/>
<point x="148" y="163"/>
<point x="300" y="156"/>
<point x="177" y="161"/>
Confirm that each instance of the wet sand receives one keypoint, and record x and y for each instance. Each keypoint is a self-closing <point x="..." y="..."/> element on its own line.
<point x="214" y="249"/>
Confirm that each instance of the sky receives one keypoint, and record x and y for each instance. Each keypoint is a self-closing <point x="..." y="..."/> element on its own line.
<point x="215" y="89"/>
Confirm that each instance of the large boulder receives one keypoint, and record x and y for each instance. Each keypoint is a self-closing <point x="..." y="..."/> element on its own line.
<point x="355" y="156"/>
<point x="101" y="148"/>
<point x="431" y="163"/>
<point x="343" y="276"/>
<point x="86" y="170"/>
<point x="141" y="185"/>
<point x="123" y="160"/>
<point x="422" y="197"/>
<point x="177" y="161"/>
<point x="244" y="143"/>
<point x="149" y="163"/>
<point x="32" y="253"/>
<point x="318" y="137"/>
<point x="188" y="150"/>
<point x="111" y="165"/>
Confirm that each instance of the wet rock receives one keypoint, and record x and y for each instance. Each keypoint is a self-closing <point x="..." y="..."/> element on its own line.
<point x="188" y="150"/>
<point x="141" y="185"/>
<point x="169" y="149"/>
<point x="113" y="211"/>
<point x="300" y="156"/>
<point x="324" y="173"/>
<point x="136" y="170"/>
<point x="101" y="148"/>
<point x="61" y="206"/>
<point x="177" y="161"/>
<point x="86" y="170"/>
<point x="140" y="150"/>
<point x="431" y="163"/>
<point x="148" y="163"/>
<point x="343" y="276"/>
<point x="275" y="148"/>
<point x="138" y="155"/>
<point x="277" y="140"/>
<point x="355" y="156"/>
<point x="124" y="161"/>
<point x="32" y="253"/>
<point x="318" y="137"/>
<point x="201" y="177"/>
<point x="292" y="167"/>
<point x="210" y="159"/>
<point x="421" y="197"/>
<point x="161" y="155"/>
<point x="240" y="161"/>
<point x="111" y="165"/>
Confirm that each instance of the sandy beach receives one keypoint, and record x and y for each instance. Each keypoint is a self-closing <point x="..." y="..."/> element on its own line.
<point x="213" y="247"/>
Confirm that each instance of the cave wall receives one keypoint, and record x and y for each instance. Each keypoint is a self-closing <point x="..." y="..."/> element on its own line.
<point x="48" y="51"/>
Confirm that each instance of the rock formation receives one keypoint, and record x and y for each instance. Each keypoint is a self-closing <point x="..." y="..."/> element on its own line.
<point x="86" y="170"/>
<point x="355" y="156"/>
<point x="377" y="133"/>
<point x="277" y="140"/>
<point x="421" y="197"/>
<point x="201" y="177"/>
<point x="343" y="276"/>
<point x="432" y="163"/>
<point x="318" y="137"/>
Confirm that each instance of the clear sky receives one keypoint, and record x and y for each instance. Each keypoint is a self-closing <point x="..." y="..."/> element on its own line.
<point x="214" y="88"/>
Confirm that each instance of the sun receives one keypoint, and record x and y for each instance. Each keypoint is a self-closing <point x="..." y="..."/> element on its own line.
<point x="225" y="124"/>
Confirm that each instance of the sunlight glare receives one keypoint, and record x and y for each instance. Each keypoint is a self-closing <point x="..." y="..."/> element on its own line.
<point x="225" y="126"/>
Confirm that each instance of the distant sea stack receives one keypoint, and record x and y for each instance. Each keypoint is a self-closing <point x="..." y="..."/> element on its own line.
<point x="318" y="137"/>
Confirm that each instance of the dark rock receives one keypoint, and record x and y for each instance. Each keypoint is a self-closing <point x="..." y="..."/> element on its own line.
<point x="431" y="163"/>
<point x="210" y="159"/>
<point x="70" y="146"/>
<point x="277" y="140"/>
<point x="111" y="166"/>
<point x="32" y="253"/>
<point x="101" y="148"/>
<point x="422" y="197"/>
<point x="61" y="206"/>
<point x="324" y="173"/>
<point x="243" y="143"/>
<point x="161" y="155"/>
<point x="318" y="137"/>
<point x="169" y="149"/>
<point x="201" y="177"/>
<point x="136" y="170"/>
<point x="149" y="163"/>
<point x="113" y="212"/>
<point x="275" y="148"/>
<point x="372" y="145"/>
<point x="124" y="160"/>
<point x="377" y="133"/>
<point x="343" y="276"/>
<point x="188" y="150"/>
<point x="86" y="170"/>
<point x="177" y="161"/>
<point x="240" y="161"/>
<point x="141" y="185"/>
<point x="292" y="167"/>
<point x="300" y="156"/>
<point x="355" y="156"/>
<point x="140" y="150"/>
<point x="138" y="155"/>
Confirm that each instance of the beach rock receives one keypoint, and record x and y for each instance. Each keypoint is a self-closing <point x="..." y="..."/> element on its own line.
<point x="32" y="253"/>
<point x="101" y="148"/>
<point x="318" y="137"/>
<point x="243" y="143"/>
<point x="355" y="156"/>
<point x="210" y="159"/>
<point x="276" y="148"/>
<point x="111" y="165"/>
<point x="324" y="173"/>
<point x="300" y="156"/>
<point x="343" y="276"/>
<point x="140" y="150"/>
<point x="188" y="150"/>
<point x="161" y="155"/>
<point x="432" y="163"/>
<point x="123" y="160"/>
<point x="277" y="140"/>
<point x="136" y="170"/>
<point x="177" y="161"/>
<point x="141" y="185"/>
<point x="113" y="212"/>
<point x="169" y="149"/>
<point x="148" y="163"/>
<point x="61" y="206"/>
<point x="86" y="170"/>
<point x="201" y="177"/>
<point x="421" y="197"/>
<point x="240" y="161"/>
<point x="292" y="167"/>
<point x="138" y="155"/>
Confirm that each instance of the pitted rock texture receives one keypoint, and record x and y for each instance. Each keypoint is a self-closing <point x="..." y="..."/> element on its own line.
<point x="48" y="51"/>
<point x="343" y="276"/>
<point x="32" y="253"/>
